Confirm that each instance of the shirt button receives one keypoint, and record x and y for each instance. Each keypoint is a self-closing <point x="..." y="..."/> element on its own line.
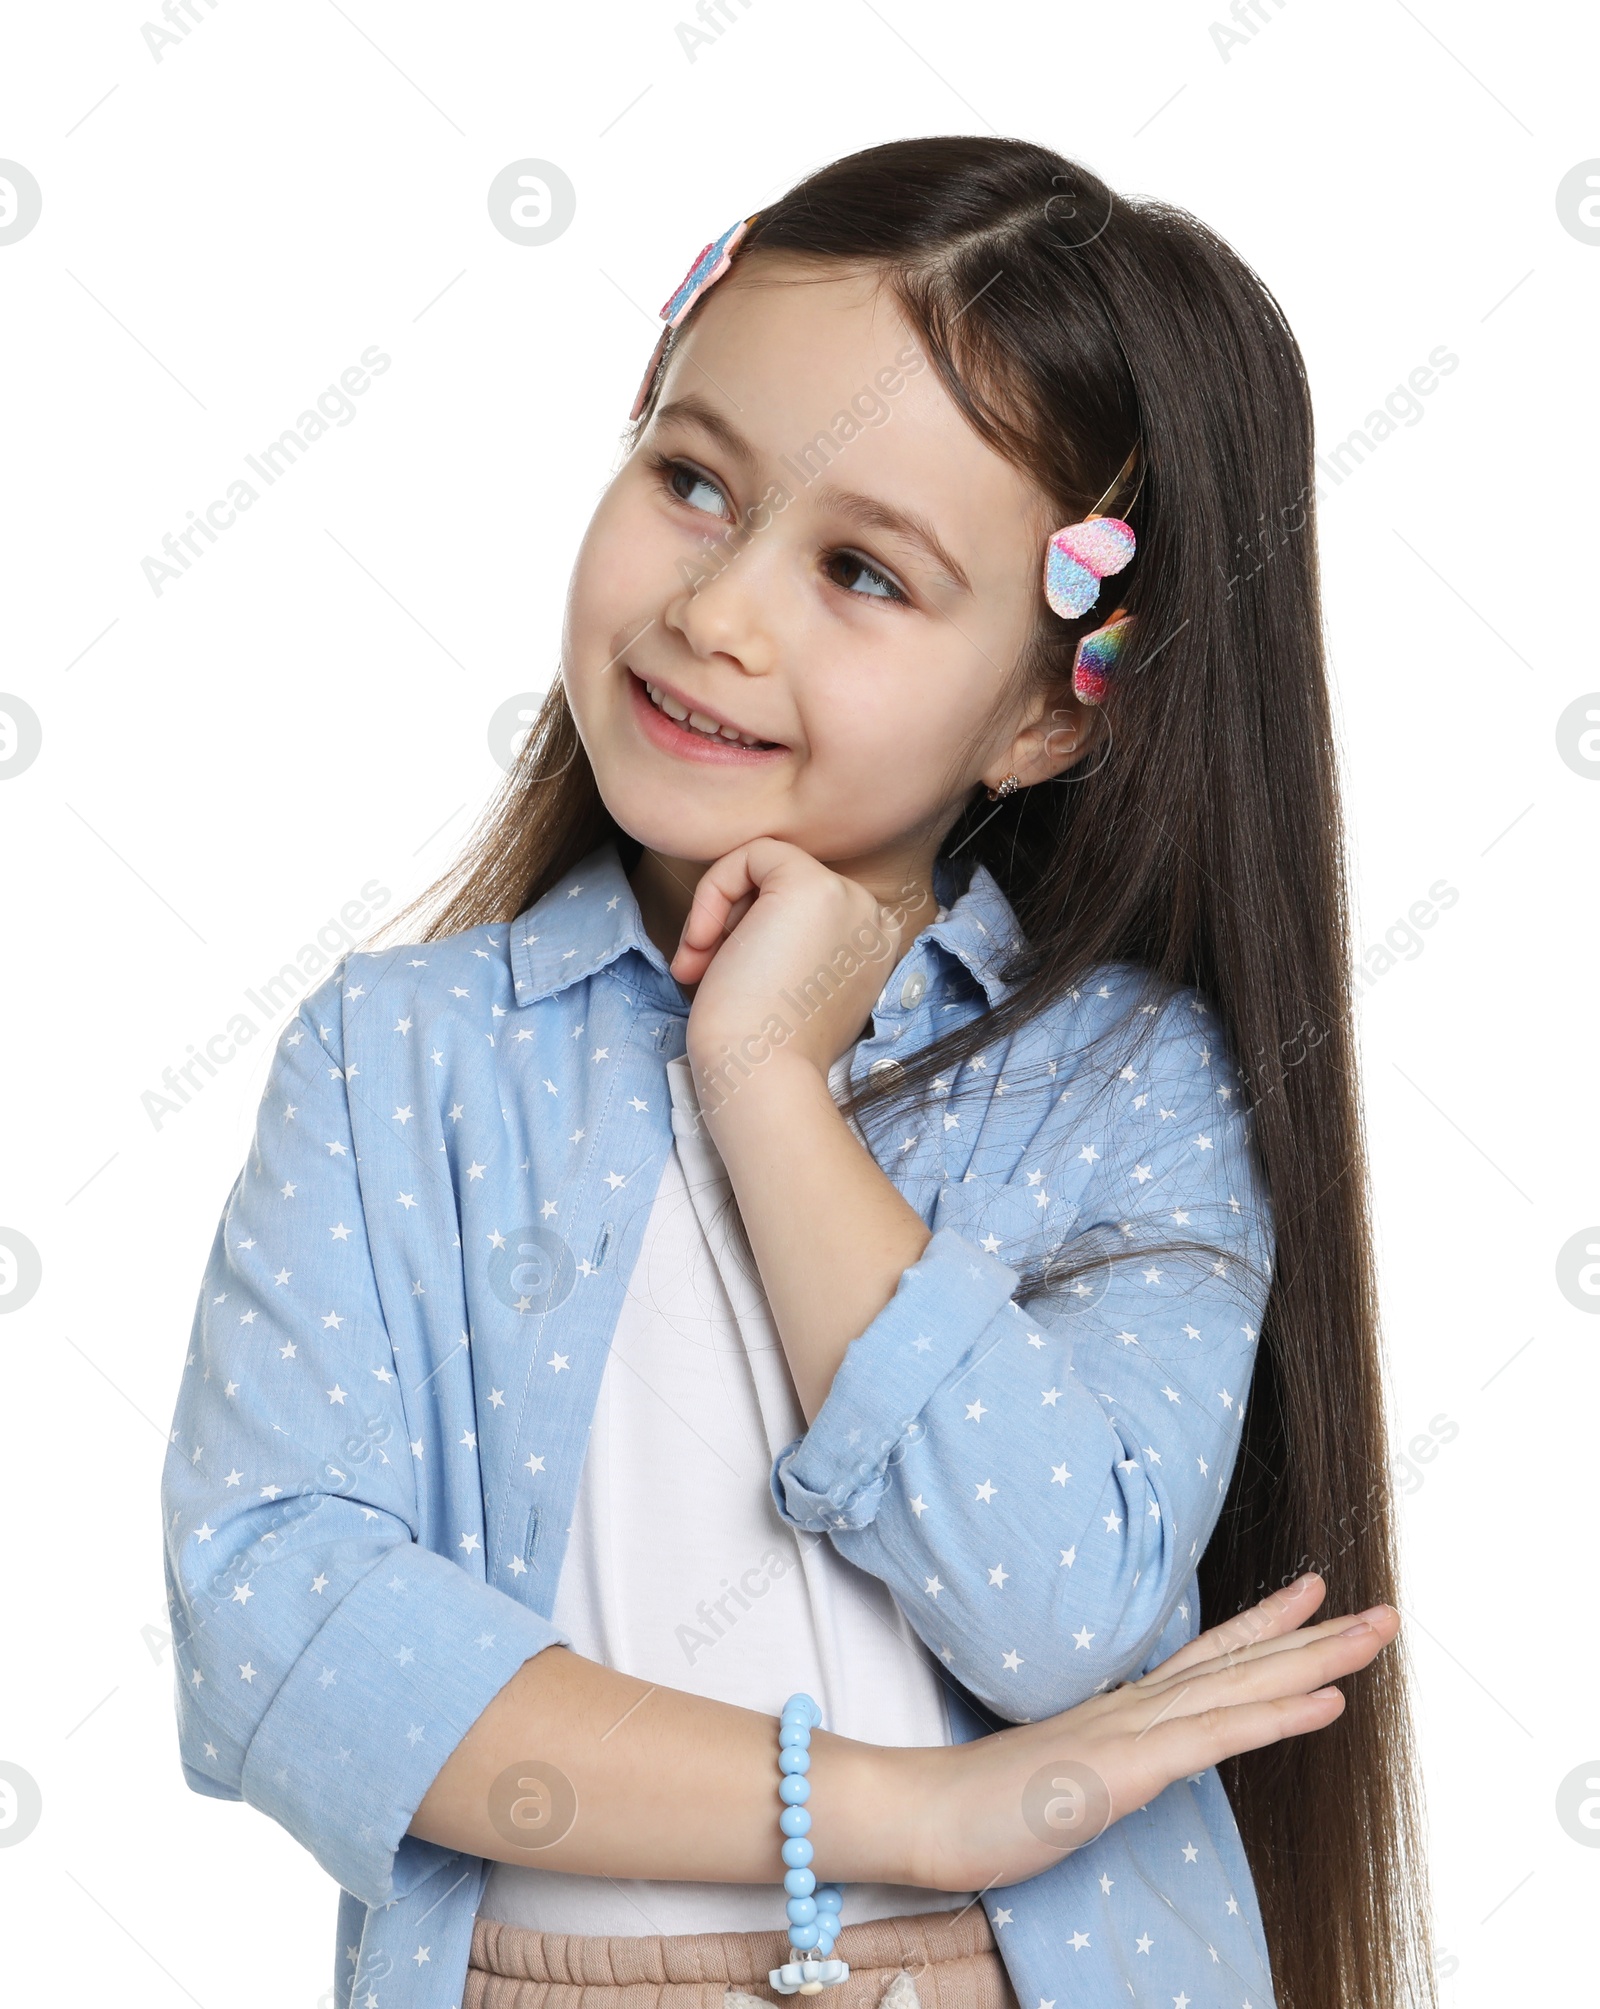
<point x="884" y="1066"/>
<point x="912" y="989"/>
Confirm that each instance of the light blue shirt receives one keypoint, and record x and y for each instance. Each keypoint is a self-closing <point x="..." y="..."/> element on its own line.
<point x="405" y="1318"/>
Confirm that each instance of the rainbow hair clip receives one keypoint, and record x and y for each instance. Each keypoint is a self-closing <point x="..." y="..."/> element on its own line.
<point x="1097" y="657"/>
<point x="708" y="267"/>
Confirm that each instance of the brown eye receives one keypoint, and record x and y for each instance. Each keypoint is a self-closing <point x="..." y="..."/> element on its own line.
<point x="682" y="480"/>
<point x="878" y="585"/>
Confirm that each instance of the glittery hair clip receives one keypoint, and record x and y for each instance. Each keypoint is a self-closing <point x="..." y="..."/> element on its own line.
<point x="1097" y="656"/>
<point x="1077" y="558"/>
<point x="1080" y="555"/>
<point x="703" y="274"/>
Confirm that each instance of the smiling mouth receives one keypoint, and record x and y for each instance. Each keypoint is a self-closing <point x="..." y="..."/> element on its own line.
<point x="700" y="722"/>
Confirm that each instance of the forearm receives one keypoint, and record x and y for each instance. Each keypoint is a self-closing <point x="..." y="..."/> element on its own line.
<point x="685" y="1789"/>
<point x="670" y="1785"/>
<point x="830" y="1234"/>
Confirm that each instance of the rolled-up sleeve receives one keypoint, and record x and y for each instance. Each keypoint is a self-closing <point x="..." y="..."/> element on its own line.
<point x="836" y="1475"/>
<point x="327" y="1663"/>
<point x="1035" y="1477"/>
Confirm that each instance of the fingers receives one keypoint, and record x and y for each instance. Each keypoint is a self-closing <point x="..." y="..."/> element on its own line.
<point x="1270" y="1671"/>
<point x="1187" y="1744"/>
<point x="1273" y="1616"/>
<point x="1143" y="1736"/>
<point x="718" y="890"/>
<point x="1205" y="1718"/>
<point x="1160" y="1682"/>
<point x="724" y="895"/>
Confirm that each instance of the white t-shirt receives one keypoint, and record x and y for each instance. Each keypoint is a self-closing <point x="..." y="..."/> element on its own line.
<point x="713" y="1591"/>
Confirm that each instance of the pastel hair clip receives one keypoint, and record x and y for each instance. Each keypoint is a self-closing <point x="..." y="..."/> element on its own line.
<point x="1077" y="558"/>
<point x="1080" y="555"/>
<point x="708" y="267"/>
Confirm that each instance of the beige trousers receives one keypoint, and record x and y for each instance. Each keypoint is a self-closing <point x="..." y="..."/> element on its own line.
<point x="930" y="1960"/>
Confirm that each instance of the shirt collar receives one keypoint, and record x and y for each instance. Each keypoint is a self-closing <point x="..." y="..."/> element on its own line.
<point x="587" y="919"/>
<point x="590" y="917"/>
<point x="980" y="931"/>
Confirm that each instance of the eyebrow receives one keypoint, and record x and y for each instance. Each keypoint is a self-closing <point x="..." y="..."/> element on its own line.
<point x="867" y="511"/>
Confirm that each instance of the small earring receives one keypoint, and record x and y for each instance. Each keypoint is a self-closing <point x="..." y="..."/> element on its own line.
<point x="1007" y="787"/>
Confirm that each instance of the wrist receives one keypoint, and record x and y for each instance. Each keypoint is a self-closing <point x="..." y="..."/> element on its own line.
<point x="743" y="1075"/>
<point x="875" y="1810"/>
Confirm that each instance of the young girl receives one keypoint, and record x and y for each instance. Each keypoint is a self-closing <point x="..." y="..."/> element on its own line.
<point x="797" y="1219"/>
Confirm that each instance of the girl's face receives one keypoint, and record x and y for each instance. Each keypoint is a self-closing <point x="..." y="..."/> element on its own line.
<point x="811" y="549"/>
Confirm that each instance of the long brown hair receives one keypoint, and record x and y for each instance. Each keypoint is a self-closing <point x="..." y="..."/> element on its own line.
<point x="1202" y="843"/>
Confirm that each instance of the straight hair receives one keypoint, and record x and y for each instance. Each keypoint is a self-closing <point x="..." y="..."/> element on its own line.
<point x="1202" y="845"/>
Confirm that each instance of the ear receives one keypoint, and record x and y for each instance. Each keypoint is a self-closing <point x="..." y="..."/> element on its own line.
<point x="1060" y="735"/>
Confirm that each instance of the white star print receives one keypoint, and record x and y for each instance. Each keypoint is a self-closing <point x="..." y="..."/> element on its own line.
<point x="1165" y="1172"/>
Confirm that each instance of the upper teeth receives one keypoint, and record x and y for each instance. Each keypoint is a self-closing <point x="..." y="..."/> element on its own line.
<point x="699" y="720"/>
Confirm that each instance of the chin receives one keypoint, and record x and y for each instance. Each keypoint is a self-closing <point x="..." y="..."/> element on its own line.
<point x="675" y="830"/>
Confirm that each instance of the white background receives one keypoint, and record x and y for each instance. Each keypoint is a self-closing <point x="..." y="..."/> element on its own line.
<point x="225" y="765"/>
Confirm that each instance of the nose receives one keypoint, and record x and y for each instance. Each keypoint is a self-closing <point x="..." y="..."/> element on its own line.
<point x="728" y="608"/>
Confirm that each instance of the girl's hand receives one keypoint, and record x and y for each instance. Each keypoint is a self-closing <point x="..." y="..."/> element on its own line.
<point x="787" y="955"/>
<point x="1012" y="1804"/>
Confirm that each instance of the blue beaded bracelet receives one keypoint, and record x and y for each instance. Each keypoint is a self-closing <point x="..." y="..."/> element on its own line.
<point x="813" y="1908"/>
